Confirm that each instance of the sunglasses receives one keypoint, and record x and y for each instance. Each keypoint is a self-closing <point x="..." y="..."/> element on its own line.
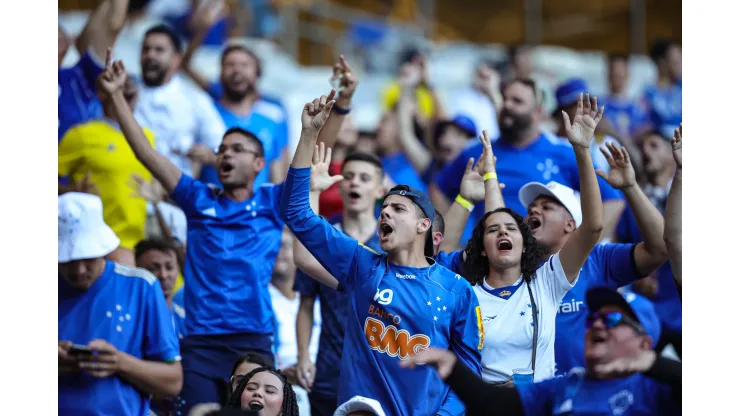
<point x="612" y="320"/>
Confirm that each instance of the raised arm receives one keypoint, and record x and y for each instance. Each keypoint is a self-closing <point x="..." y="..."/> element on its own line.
<point x="347" y="85"/>
<point x="478" y="183"/>
<point x="110" y="83"/>
<point x="204" y="17"/>
<point x="419" y="156"/>
<point x="672" y="234"/>
<point x="320" y="181"/>
<point x="576" y="250"/>
<point x="303" y="329"/>
<point x="651" y="253"/>
<point x="338" y="253"/>
<point x="103" y="27"/>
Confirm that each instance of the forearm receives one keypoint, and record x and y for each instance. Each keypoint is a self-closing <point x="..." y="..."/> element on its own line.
<point x="103" y="27"/>
<point x="162" y="379"/>
<point x="672" y="235"/>
<point x="304" y="327"/>
<point x="455" y="220"/>
<point x="186" y="64"/>
<point x="649" y="221"/>
<point x="277" y="171"/>
<point x="591" y="205"/>
<point x="494" y="197"/>
<point x="418" y="155"/>
<point x="480" y="397"/>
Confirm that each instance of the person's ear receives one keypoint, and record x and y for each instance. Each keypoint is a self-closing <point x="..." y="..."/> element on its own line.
<point x="422" y="226"/>
<point x="437" y="238"/>
<point x="570" y="226"/>
<point x="259" y="164"/>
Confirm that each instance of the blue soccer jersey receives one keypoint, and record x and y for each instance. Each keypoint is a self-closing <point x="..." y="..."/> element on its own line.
<point x="78" y="101"/>
<point x="664" y="107"/>
<point x="125" y="307"/>
<point x="178" y="313"/>
<point x="231" y="251"/>
<point x="393" y="312"/>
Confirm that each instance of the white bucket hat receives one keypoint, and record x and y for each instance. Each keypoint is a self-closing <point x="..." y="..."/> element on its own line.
<point x="83" y="234"/>
<point x="360" y="404"/>
<point x="570" y="199"/>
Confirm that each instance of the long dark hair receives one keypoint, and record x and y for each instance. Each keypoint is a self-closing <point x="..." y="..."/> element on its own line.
<point x="290" y="403"/>
<point x="476" y="267"/>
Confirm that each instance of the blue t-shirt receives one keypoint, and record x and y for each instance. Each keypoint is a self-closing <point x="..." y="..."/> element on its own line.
<point x="267" y="120"/>
<point x="625" y="114"/>
<point x="402" y="172"/>
<point x="334" y="314"/>
<point x="548" y="158"/>
<point x="576" y="395"/>
<point x="610" y="265"/>
<point x="393" y="312"/>
<point x="125" y="307"/>
<point x="667" y="301"/>
<point x="178" y="313"/>
<point x="452" y="261"/>
<point x="664" y="107"/>
<point x="231" y="251"/>
<point x="78" y="101"/>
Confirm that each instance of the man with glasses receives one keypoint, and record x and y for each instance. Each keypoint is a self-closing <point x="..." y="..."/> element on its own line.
<point x="234" y="235"/>
<point x="622" y="375"/>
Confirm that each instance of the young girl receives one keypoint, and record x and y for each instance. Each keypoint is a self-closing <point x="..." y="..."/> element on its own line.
<point x="267" y="391"/>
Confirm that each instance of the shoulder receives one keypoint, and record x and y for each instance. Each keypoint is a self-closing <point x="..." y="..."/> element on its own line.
<point x="452" y="281"/>
<point x="271" y="110"/>
<point x="137" y="275"/>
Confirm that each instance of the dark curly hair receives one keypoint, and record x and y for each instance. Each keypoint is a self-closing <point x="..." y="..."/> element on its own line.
<point x="290" y="403"/>
<point x="475" y="267"/>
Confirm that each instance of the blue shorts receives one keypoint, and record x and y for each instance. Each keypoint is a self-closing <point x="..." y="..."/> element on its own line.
<point x="207" y="361"/>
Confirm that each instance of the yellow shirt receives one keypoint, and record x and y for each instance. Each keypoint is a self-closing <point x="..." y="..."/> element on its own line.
<point x="100" y="148"/>
<point x="424" y="99"/>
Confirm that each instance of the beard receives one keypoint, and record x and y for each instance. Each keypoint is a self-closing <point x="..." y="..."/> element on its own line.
<point x="235" y="95"/>
<point x="520" y="124"/>
<point x="152" y="74"/>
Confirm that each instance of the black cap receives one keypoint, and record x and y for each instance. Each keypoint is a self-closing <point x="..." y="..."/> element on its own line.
<point x="422" y="201"/>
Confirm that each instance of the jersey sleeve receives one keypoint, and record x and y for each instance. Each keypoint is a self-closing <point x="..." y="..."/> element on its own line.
<point x="343" y="257"/>
<point x="539" y="398"/>
<point x="160" y="339"/>
<point x="616" y="264"/>
<point x="186" y="193"/>
<point x="466" y="341"/>
<point x="452" y="261"/>
<point x="305" y="285"/>
<point x="70" y="152"/>
<point x="91" y="67"/>
<point x="552" y="277"/>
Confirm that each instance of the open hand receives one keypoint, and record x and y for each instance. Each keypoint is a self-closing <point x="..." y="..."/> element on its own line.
<point x="442" y="360"/>
<point x="103" y="362"/>
<point x="317" y="112"/>
<point x="344" y="79"/>
<point x="320" y="178"/>
<point x="113" y="77"/>
<point x="584" y="124"/>
<point x="151" y="191"/>
<point x="202" y="154"/>
<point x="621" y="173"/>
<point x="488" y="158"/>
<point x="677" y="143"/>
<point x="306" y="372"/>
<point x="209" y="12"/>
<point x="472" y="187"/>
<point x="626" y="366"/>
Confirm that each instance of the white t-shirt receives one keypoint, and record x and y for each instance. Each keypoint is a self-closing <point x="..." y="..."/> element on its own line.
<point x="286" y="313"/>
<point x="509" y="327"/>
<point x="180" y="116"/>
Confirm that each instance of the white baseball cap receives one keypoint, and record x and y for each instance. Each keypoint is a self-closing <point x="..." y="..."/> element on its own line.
<point x="360" y="404"/>
<point x="570" y="198"/>
<point x="83" y="234"/>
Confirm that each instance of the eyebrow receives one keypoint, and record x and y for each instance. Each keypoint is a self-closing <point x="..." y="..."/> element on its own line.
<point x="505" y="224"/>
<point x="394" y="205"/>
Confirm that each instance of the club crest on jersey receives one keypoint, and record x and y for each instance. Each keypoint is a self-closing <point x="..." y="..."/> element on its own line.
<point x="505" y="293"/>
<point x="393" y="341"/>
<point x="481" y="331"/>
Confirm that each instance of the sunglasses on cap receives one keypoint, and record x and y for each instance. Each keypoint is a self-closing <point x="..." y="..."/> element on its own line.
<point x="612" y="320"/>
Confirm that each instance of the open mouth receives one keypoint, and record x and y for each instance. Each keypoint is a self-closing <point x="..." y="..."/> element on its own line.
<point x="598" y="338"/>
<point x="504" y="245"/>
<point x="385" y="231"/>
<point x="534" y="223"/>
<point x="353" y="196"/>
<point x="255" y="405"/>
<point x="225" y="167"/>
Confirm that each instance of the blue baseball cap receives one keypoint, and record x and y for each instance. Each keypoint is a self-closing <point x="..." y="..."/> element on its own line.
<point x="640" y="308"/>
<point x="567" y="92"/>
<point x="464" y="123"/>
<point x="422" y="201"/>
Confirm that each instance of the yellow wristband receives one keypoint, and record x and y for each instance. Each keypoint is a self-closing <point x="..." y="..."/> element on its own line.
<point x="465" y="203"/>
<point x="490" y="175"/>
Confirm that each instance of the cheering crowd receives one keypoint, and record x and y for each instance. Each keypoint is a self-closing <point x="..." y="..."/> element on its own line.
<point x="428" y="268"/>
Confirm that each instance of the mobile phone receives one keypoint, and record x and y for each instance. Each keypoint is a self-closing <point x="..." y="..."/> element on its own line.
<point x="80" y="350"/>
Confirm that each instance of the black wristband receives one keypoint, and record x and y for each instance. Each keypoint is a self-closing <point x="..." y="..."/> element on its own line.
<point x="339" y="110"/>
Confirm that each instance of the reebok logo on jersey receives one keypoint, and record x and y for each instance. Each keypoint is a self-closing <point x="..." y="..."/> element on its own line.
<point x="393" y="341"/>
<point x="406" y="276"/>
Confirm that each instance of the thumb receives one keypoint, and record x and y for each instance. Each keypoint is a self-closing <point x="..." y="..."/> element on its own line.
<point x="566" y="121"/>
<point x="501" y="185"/>
<point x="327" y="109"/>
<point x="469" y="167"/>
<point x="603" y="174"/>
<point x="336" y="178"/>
